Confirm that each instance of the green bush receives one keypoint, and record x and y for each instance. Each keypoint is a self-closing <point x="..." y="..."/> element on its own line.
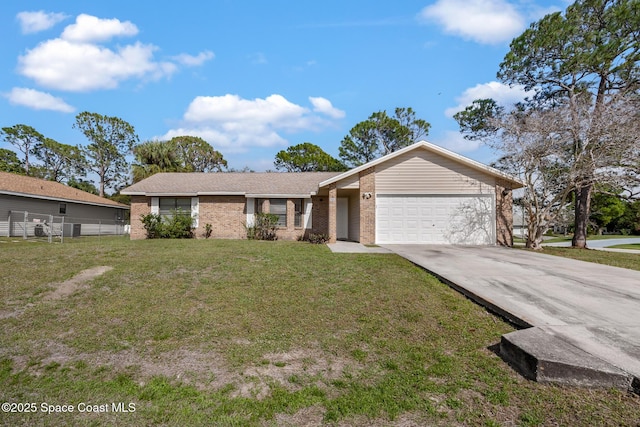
<point x="264" y="227"/>
<point x="177" y="226"/>
<point x="152" y="224"/>
<point x="318" y="239"/>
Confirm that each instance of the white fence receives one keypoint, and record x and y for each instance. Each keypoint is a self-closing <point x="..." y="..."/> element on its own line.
<point x="32" y="225"/>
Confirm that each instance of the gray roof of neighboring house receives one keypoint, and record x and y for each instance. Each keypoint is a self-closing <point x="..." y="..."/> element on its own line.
<point x="26" y="186"/>
<point x="221" y="183"/>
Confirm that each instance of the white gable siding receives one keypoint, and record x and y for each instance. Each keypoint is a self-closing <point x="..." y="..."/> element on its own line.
<point x="350" y="182"/>
<point x="421" y="172"/>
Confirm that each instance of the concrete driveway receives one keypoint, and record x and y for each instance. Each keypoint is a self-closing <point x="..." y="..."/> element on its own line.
<point x="591" y="312"/>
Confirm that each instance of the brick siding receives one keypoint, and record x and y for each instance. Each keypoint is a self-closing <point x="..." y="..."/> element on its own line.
<point x="140" y="205"/>
<point x="333" y="206"/>
<point x="320" y="215"/>
<point x="226" y="214"/>
<point x="368" y="206"/>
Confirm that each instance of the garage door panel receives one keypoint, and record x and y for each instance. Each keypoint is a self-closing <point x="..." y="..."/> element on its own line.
<point x="430" y="219"/>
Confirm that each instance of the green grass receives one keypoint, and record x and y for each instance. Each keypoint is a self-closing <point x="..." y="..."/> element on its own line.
<point x="242" y="333"/>
<point x="615" y="259"/>
<point x="635" y="246"/>
<point x="592" y="237"/>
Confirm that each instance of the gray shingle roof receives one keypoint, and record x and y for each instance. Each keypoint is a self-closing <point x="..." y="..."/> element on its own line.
<point x="260" y="183"/>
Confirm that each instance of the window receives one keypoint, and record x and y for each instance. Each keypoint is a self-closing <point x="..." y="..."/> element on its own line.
<point x="299" y="210"/>
<point x="62" y="208"/>
<point x="276" y="207"/>
<point x="169" y="204"/>
<point x="279" y="207"/>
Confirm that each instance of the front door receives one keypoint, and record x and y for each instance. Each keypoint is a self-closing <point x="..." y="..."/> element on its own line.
<point x="342" y="220"/>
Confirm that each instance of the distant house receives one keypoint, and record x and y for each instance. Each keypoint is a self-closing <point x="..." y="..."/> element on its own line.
<point x="26" y="203"/>
<point x="419" y="194"/>
<point x="519" y="223"/>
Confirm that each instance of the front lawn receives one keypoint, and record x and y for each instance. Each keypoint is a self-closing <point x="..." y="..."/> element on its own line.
<point x="635" y="246"/>
<point x="615" y="259"/>
<point x="569" y="238"/>
<point x="214" y="332"/>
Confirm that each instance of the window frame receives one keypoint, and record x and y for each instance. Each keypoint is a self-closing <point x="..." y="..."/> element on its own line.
<point x="282" y="217"/>
<point x="298" y="214"/>
<point x="167" y="213"/>
<point x="62" y="208"/>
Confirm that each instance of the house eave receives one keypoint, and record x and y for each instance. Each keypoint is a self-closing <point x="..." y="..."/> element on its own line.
<point x="280" y="195"/>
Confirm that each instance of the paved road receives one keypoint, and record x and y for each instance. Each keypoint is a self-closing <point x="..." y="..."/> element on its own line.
<point x="602" y="243"/>
<point x="594" y="307"/>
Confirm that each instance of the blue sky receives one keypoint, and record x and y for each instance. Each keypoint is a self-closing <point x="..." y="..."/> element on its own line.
<point x="254" y="77"/>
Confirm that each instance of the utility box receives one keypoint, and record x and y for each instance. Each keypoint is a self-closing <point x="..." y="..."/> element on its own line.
<point x="72" y="230"/>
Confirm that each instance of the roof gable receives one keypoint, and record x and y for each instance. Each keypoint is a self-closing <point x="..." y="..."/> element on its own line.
<point x="435" y="149"/>
<point x="26" y="186"/>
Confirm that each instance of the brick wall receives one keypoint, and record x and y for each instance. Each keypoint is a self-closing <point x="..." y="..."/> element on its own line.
<point x="140" y="205"/>
<point x="226" y="214"/>
<point x="333" y="206"/>
<point x="368" y="206"/>
<point x="504" y="214"/>
<point x="320" y="215"/>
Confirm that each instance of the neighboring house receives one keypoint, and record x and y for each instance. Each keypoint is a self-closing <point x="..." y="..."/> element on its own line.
<point x="33" y="199"/>
<point x="419" y="194"/>
<point x="519" y="223"/>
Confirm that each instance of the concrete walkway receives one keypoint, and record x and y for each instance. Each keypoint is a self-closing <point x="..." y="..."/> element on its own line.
<point x="585" y="316"/>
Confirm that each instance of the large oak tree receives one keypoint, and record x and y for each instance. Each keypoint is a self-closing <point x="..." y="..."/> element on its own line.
<point x="585" y="63"/>
<point x="588" y="59"/>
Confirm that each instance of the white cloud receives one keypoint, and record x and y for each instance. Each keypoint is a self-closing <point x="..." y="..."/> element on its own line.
<point x="235" y="124"/>
<point x="63" y="65"/>
<point x="81" y="60"/>
<point x="455" y="142"/>
<point x="93" y="29"/>
<point x="484" y="21"/>
<point x="194" y="61"/>
<point x="33" y="22"/>
<point x="501" y="93"/>
<point x="37" y="100"/>
<point x="274" y="109"/>
<point x="323" y="105"/>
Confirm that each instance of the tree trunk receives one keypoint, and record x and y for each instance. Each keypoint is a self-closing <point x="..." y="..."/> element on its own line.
<point x="582" y="210"/>
<point x="535" y="236"/>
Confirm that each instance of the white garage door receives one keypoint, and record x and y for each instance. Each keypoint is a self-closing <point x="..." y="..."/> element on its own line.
<point x="430" y="219"/>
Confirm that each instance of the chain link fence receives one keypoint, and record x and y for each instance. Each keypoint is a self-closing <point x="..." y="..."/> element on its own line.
<point x="37" y="226"/>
